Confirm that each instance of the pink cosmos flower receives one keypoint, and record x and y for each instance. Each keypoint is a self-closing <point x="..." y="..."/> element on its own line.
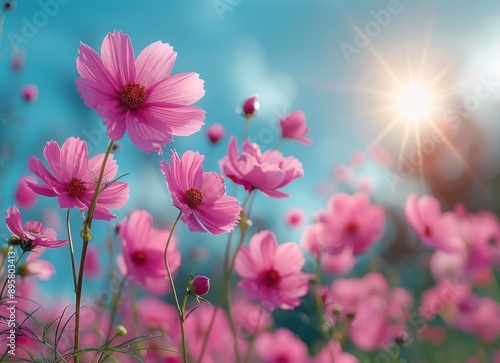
<point x="34" y="266"/>
<point x="92" y="266"/>
<point x="351" y="221"/>
<point x="379" y="314"/>
<point x="200" y="196"/>
<point x="434" y="228"/>
<point x="250" y="318"/>
<point x="281" y="347"/>
<point x="479" y="316"/>
<point x="266" y="171"/>
<point x="25" y="197"/>
<point x="220" y="340"/>
<point x="139" y="95"/>
<point x="32" y="233"/>
<point x="480" y="233"/>
<point x="314" y="241"/>
<point x="143" y="248"/>
<point x="30" y="92"/>
<point x="293" y="126"/>
<point x="272" y="273"/>
<point x="334" y="349"/>
<point x="73" y="178"/>
<point x="216" y="133"/>
<point x="442" y="297"/>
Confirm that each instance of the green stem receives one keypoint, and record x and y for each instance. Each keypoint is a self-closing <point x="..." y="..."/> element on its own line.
<point x="232" y="325"/>
<point x="180" y="310"/>
<point x="228" y="269"/>
<point x="9" y="249"/>
<point x="71" y="248"/>
<point x="86" y="237"/>
<point x="5" y="283"/>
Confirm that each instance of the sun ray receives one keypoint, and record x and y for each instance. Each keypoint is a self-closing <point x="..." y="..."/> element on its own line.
<point x="426" y="47"/>
<point x="406" y="135"/>
<point x="382" y="134"/>
<point x="420" y="156"/>
<point x="384" y="65"/>
<point x="457" y="154"/>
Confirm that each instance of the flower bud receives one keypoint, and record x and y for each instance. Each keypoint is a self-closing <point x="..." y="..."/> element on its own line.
<point x="29" y="92"/>
<point x="121" y="331"/>
<point x="250" y="106"/>
<point x="215" y="133"/>
<point x="402" y="338"/>
<point x="199" y="286"/>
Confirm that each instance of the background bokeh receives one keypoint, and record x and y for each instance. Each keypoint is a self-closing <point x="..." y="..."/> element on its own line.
<point x="291" y="54"/>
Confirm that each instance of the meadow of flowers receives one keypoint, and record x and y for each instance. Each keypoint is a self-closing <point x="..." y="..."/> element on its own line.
<point x="321" y="299"/>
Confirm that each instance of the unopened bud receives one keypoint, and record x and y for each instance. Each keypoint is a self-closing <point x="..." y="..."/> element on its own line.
<point x="199" y="286"/>
<point x="251" y="106"/>
<point x="121" y="331"/>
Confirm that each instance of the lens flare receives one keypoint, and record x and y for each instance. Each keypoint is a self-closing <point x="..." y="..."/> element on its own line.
<point x="414" y="103"/>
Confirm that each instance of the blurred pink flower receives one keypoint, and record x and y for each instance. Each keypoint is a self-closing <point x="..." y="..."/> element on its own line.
<point x="250" y="106"/>
<point x="357" y="159"/>
<point x="443" y="297"/>
<point x="200" y="196"/>
<point x="92" y="267"/>
<point x="25" y="197"/>
<point x="365" y="185"/>
<point x="351" y="221"/>
<point x="281" y="346"/>
<point x="434" y="228"/>
<point x="250" y="318"/>
<point x="30" y="92"/>
<point x="32" y="233"/>
<point x="139" y="95"/>
<point x="220" y="340"/>
<point x="73" y="178"/>
<point x="272" y="273"/>
<point x="313" y="241"/>
<point x="381" y="156"/>
<point x="266" y="171"/>
<point x="33" y="266"/>
<point x="293" y="126"/>
<point x="378" y="315"/>
<point x="342" y="173"/>
<point x="143" y="248"/>
<point x="479" y="316"/>
<point x="216" y="133"/>
<point x="334" y="349"/>
<point x="295" y="217"/>
<point x="480" y="232"/>
<point x="17" y="59"/>
<point x="444" y="265"/>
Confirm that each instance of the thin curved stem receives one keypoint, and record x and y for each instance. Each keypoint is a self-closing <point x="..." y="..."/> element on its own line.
<point x="71" y="248"/>
<point x="86" y="237"/>
<point x="180" y="311"/>
<point x="6" y="279"/>
<point x="228" y="269"/>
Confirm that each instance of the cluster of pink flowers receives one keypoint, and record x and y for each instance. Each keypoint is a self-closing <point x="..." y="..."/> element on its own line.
<point x="140" y="96"/>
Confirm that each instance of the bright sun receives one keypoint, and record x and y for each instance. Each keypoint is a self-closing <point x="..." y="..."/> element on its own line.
<point x="414" y="103"/>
